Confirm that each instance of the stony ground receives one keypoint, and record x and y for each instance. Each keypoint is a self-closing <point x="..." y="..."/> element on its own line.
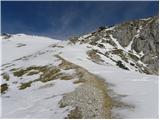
<point x="90" y="99"/>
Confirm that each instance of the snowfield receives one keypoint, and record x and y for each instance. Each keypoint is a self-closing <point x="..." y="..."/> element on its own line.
<point x="37" y="102"/>
<point x="140" y="90"/>
<point x="21" y="45"/>
<point x="41" y="100"/>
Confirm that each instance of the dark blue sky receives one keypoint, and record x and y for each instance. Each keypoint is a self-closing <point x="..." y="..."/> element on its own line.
<point x="62" y="20"/>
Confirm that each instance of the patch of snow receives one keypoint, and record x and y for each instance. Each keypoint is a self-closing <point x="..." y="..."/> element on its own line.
<point x="128" y="48"/>
<point x="146" y="19"/>
<point x="37" y="101"/>
<point x="116" y="42"/>
<point x="135" y="36"/>
<point x="84" y="36"/>
<point x="111" y="28"/>
<point x="141" y="54"/>
<point x="141" y="90"/>
<point x="10" y="51"/>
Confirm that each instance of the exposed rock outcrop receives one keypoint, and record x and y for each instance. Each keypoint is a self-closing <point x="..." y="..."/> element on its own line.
<point x="138" y="39"/>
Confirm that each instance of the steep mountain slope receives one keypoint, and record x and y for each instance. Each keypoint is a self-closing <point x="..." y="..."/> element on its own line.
<point x="134" y="43"/>
<point x="98" y="75"/>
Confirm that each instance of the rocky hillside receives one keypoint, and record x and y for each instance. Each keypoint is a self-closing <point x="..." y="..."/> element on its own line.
<point x="136" y="43"/>
<point x="110" y="73"/>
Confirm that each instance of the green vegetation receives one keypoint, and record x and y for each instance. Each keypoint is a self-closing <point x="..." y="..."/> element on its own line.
<point x="4" y="88"/>
<point x="33" y="72"/>
<point x="5" y="76"/>
<point x="79" y="81"/>
<point x="14" y="69"/>
<point x="21" y="72"/>
<point x="66" y="77"/>
<point x="94" y="56"/>
<point x="50" y="74"/>
<point x="25" y="85"/>
<point x="117" y="51"/>
<point x="134" y="57"/>
<point x="65" y="64"/>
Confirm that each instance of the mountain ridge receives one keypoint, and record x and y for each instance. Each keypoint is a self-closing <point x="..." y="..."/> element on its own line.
<point x="133" y="37"/>
<point x="92" y="76"/>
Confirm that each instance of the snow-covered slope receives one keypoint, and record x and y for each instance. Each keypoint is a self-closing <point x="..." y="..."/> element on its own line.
<point x="20" y="45"/>
<point x="92" y="76"/>
<point x="140" y="91"/>
<point x="26" y="91"/>
<point x="132" y="45"/>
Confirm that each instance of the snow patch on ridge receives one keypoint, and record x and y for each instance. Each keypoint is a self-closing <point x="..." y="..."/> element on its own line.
<point x="31" y="44"/>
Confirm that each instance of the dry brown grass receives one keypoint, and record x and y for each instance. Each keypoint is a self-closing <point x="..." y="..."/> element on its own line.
<point x="25" y="85"/>
<point x="4" y="88"/>
<point x="94" y="56"/>
<point x="5" y="76"/>
<point x="75" y="114"/>
<point x="66" y="77"/>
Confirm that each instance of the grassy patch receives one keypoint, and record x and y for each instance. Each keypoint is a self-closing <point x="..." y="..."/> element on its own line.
<point x="50" y="74"/>
<point x="25" y="85"/>
<point x="21" y="72"/>
<point x="65" y="64"/>
<point x="66" y="77"/>
<point x="33" y="72"/>
<point x="134" y="57"/>
<point x="4" y="88"/>
<point x="94" y="56"/>
<point x="78" y="81"/>
<point x="117" y="51"/>
<point x="14" y="69"/>
<point x="5" y="76"/>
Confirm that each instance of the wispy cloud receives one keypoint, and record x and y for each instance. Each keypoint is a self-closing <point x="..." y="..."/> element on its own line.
<point x="63" y="20"/>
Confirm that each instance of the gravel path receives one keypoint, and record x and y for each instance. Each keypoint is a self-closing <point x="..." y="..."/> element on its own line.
<point x="90" y="99"/>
